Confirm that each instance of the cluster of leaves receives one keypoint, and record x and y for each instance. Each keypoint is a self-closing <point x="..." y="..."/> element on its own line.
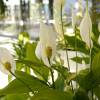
<point x="88" y="81"/>
<point x="2" y="9"/>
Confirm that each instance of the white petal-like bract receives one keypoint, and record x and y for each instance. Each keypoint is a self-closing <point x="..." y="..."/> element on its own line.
<point x="38" y="50"/>
<point x="99" y="26"/>
<point x="99" y="40"/>
<point x="86" y="29"/>
<point x="6" y="57"/>
<point x="57" y="16"/>
<point x="47" y="40"/>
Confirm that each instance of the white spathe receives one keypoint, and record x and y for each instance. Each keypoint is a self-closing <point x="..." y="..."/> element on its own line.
<point x="86" y="29"/>
<point x="99" y="26"/>
<point x="38" y="50"/>
<point x="5" y="57"/>
<point x="99" y="31"/>
<point x="57" y="16"/>
<point x="99" y="40"/>
<point x="47" y="39"/>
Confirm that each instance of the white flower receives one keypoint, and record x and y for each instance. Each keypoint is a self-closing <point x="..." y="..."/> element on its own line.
<point x="38" y="50"/>
<point x="99" y="26"/>
<point x="7" y="62"/>
<point x="86" y="29"/>
<point x="57" y="16"/>
<point x="46" y="47"/>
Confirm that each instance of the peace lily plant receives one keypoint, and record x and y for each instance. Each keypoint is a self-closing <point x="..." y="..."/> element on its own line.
<point x="43" y="68"/>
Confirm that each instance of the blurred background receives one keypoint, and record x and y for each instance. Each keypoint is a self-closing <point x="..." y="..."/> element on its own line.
<point x="25" y="15"/>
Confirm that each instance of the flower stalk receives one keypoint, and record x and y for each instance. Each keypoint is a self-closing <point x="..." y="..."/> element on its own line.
<point x="67" y="57"/>
<point x="76" y="54"/>
<point x="87" y="12"/>
<point x="52" y="74"/>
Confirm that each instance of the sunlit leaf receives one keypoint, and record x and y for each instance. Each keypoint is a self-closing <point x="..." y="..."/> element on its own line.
<point x="17" y="86"/>
<point x="53" y="95"/>
<point x="81" y="46"/>
<point x="81" y="59"/>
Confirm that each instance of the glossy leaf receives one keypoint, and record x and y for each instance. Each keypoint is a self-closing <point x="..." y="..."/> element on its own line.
<point x="59" y="83"/>
<point x="15" y="97"/>
<point x="87" y="80"/>
<point x="30" y="51"/>
<point x="81" y="59"/>
<point x="97" y="92"/>
<point x="16" y="86"/>
<point x="81" y="46"/>
<point x="38" y="67"/>
<point x="96" y="65"/>
<point x="53" y="95"/>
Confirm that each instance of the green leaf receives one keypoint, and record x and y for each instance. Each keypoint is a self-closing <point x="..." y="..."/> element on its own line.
<point x="16" y="97"/>
<point x="16" y="86"/>
<point x="97" y="92"/>
<point x="2" y="8"/>
<point x="19" y="65"/>
<point x="53" y="95"/>
<point x="80" y="94"/>
<point x="86" y="80"/>
<point x="24" y="36"/>
<point x="60" y="83"/>
<point x="96" y="65"/>
<point x="9" y="78"/>
<point x="81" y="59"/>
<point x="61" y="69"/>
<point x="81" y="46"/>
<point x="42" y="72"/>
<point x="38" y="67"/>
<point x="30" y="51"/>
<point x="96" y="31"/>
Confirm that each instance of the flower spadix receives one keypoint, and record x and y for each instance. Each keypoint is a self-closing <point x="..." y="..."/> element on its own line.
<point x="86" y="28"/>
<point x="46" y="47"/>
<point x="7" y="62"/>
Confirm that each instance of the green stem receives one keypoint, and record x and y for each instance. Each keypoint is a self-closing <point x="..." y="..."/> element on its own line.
<point x="90" y="57"/>
<point x="64" y="40"/>
<point x="21" y="81"/>
<point x="90" y="54"/>
<point x="65" y="45"/>
<point x="52" y="75"/>
<point x="91" y="65"/>
<point x="92" y="94"/>
<point x="76" y="54"/>
<point x="86" y="6"/>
